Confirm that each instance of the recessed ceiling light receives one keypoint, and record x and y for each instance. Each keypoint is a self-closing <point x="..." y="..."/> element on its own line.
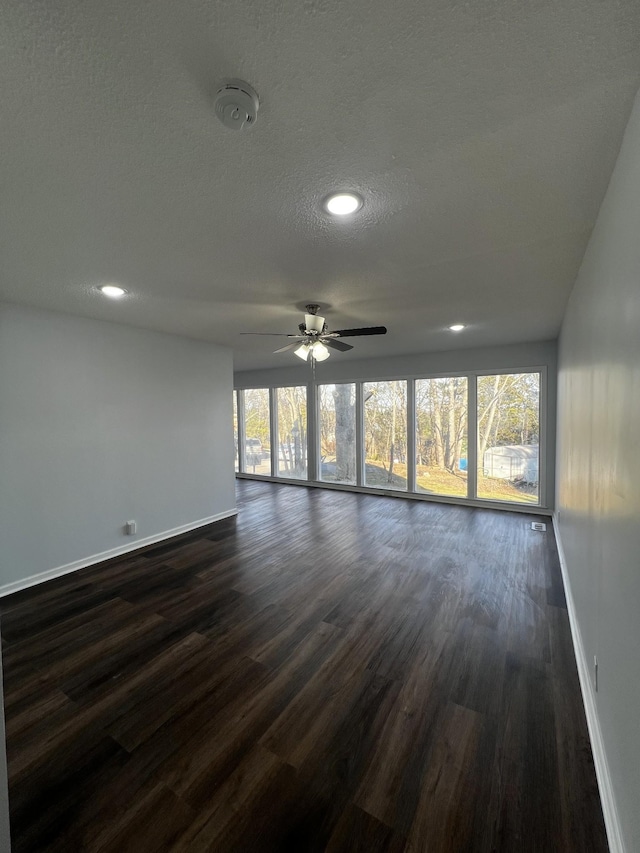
<point x="112" y="290"/>
<point x="341" y="204"/>
<point x="457" y="327"/>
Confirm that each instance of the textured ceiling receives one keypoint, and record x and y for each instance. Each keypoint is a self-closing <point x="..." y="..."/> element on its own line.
<point x="481" y="135"/>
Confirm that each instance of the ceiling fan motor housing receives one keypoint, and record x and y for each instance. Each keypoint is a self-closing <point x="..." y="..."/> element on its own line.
<point x="236" y="104"/>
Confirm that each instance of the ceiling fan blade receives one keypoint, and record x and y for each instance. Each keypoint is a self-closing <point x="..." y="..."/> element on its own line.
<point x="353" y="333"/>
<point x="288" y="346"/>
<point x="334" y="344"/>
<point x="275" y="335"/>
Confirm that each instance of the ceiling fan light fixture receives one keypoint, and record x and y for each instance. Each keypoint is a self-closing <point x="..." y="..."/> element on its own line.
<point x="320" y="351"/>
<point x="342" y="204"/>
<point x="317" y="350"/>
<point x="303" y="351"/>
<point x="313" y="323"/>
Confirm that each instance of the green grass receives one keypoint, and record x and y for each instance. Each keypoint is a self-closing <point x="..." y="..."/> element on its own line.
<point x="438" y="481"/>
<point x="429" y="480"/>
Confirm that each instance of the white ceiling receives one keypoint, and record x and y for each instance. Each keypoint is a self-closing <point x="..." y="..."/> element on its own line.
<point x="481" y="136"/>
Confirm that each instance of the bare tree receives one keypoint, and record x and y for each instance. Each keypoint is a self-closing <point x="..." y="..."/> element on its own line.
<point x="441" y="421"/>
<point x="436" y="422"/>
<point x="487" y="409"/>
<point x="292" y="432"/>
<point x="345" y="434"/>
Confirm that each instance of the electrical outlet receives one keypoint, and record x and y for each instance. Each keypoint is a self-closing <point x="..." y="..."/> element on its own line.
<point x="130" y="528"/>
<point x="595" y="673"/>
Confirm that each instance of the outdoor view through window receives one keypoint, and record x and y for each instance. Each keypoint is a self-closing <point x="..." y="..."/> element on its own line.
<point x="385" y="439"/>
<point x="338" y="433"/>
<point x="441" y="436"/>
<point x="292" y="432"/>
<point x="506" y="421"/>
<point x="509" y="437"/>
<point x="257" y="433"/>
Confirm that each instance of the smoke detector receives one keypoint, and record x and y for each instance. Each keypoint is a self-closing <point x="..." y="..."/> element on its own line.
<point x="236" y="104"/>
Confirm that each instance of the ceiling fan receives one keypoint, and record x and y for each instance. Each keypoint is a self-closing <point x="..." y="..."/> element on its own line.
<point x="314" y="339"/>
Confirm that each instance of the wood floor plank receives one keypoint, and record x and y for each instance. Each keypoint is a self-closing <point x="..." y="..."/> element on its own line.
<point x="358" y="832"/>
<point x="442" y="819"/>
<point x="578" y="787"/>
<point x="261" y="824"/>
<point x="97" y="677"/>
<point x="35" y="710"/>
<point x="390" y="786"/>
<point x="159" y="749"/>
<point x="50" y="808"/>
<point x="526" y="817"/>
<point x="137" y="825"/>
<point x="246" y="784"/>
<point x="320" y="706"/>
<point x="61" y="731"/>
<point x="325" y="672"/>
<point x="206" y="685"/>
<point x="230" y="734"/>
<point x="333" y="768"/>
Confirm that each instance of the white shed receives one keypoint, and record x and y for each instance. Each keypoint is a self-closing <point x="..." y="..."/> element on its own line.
<point x="512" y="462"/>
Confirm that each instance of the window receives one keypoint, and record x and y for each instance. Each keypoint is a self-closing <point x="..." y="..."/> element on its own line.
<point x="509" y="437"/>
<point x="337" y="416"/>
<point x="292" y="432"/>
<point x="360" y="435"/>
<point x="441" y="436"/>
<point x="257" y="431"/>
<point x="385" y="438"/>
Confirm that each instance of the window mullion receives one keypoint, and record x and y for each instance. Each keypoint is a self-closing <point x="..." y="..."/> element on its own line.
<point x="313" y="431"/>
<point x="472" y="436"/>
<point x="411" y="435"/>
<point x="359" y="434"/>
<point x="242" y="437"/>
<point x="273" y="426"/>
<point x="542" y="439"/>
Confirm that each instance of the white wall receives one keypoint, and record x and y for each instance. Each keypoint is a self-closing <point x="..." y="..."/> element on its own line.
<point x="345" y="368"/>
<point x="598" y="473"/>
<point x="101" y="423"/>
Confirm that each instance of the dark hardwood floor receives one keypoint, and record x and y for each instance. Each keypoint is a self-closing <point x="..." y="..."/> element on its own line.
<point x="330" y="671"/>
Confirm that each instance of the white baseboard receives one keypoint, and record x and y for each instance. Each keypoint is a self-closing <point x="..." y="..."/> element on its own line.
<point x="611" y="820"/>
<point x="85" y="562"/>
